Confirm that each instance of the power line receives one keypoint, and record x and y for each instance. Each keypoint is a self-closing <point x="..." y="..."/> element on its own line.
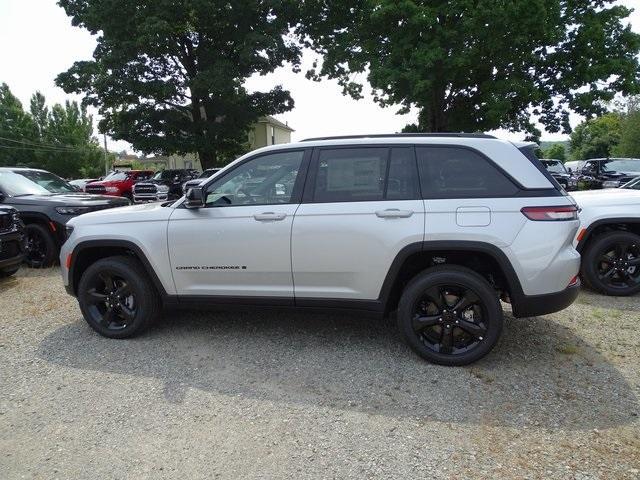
<point x="41" y="145"/>
<point x="42" y="149"/>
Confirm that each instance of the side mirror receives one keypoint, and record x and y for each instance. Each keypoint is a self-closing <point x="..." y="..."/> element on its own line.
<point x="195" y="198"/>
<point x="570" y="170"/>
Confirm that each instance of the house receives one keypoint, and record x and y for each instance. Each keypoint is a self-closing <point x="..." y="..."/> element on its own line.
<point x="266" y="131"/>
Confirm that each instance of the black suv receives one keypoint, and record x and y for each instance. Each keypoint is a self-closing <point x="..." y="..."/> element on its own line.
<point x="46" y="202"/>
<point x="164" y="185"/>
<point x="609" y="172"/>
<point x="558" y="171"/>
<point x="196" y="181"/>
<point x="11" y="241"/>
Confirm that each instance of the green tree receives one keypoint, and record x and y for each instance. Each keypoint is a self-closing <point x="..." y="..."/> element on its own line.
<point x="478" y="65"/>
<point x="556" y="151"/>
<point x="59" y="139"/>
<point x="596" y="138"/>
<point x="629" y="143"/>
<point x="168" y="75"/>
<point x="15" y="124"/>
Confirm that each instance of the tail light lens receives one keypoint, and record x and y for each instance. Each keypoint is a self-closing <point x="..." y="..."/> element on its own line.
<point x="551" y="213"/>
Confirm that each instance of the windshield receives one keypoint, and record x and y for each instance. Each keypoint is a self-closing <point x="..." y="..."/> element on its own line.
<point x="554" y="166"/>
<point x="165" y="174"/>
<point x="622" y="165"/>
<point x="32" y="182"/>
<point x="116" y="176"/>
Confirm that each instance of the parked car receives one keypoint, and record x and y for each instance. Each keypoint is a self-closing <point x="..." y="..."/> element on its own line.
<point x="609" y="240"/>
<point x="608" y="172"/>
<point x="46" y="202"/>
<point x="436" y="227"/>
<point x="164" y="185"/>
<point x="81" y="183"/>
<point x="558" y="171"/>
<point x="196" y="181"/>
<point x="12" y="243"/>
<point x="632" y="185"/>
<point x="118" y="184"/>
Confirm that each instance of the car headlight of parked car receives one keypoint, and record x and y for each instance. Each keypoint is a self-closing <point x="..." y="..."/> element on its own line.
<point x="163" y="188"/>
<point x="72" y="210"/>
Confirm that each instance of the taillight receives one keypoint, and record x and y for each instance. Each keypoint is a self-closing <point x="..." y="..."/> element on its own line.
<point x="551" y="213"/>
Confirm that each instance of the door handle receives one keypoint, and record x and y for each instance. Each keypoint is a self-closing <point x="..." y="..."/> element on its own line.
<point x="269" y="217"/>
<point x="394" y="213"/>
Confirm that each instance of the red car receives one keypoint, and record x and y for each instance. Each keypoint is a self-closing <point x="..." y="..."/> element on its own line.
<point x="118" y="184"/>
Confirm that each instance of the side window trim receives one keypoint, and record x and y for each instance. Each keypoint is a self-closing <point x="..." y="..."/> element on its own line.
<point x="296" y="194"/>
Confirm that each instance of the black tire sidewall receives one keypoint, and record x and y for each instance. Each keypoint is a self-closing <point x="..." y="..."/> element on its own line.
<point x="51" y="250"/>
<point x="145" y="295"/>
<point x="451" y="275"/>
<point x="589" y="269"/>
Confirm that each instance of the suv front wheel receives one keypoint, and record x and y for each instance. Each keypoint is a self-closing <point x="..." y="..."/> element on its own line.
<point x="116" y="297"/>
<point x="450" y="315"/>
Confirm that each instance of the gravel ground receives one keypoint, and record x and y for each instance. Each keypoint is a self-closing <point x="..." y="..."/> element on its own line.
<point x="280" y="395"/>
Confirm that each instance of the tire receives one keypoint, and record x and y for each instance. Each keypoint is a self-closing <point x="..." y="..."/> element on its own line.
<point x="619" y="273"/>
<point x="473" y="331"/>
<point x="42" y="250"/>
<point x="133" y="307"/>
<point x="8" y="272"/>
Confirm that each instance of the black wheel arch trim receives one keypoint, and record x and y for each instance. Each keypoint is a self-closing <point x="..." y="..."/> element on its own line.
<point x="515" y="288"/>
<point x="128" y="245"/>
<point x="604" y="222"/>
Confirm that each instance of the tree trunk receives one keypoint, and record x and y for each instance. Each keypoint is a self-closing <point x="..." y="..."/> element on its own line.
<point x="207" y="159"/>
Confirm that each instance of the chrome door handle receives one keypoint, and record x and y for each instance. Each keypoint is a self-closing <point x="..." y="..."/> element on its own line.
<point x="394" y="213"/>
<point x="269" y="217"/>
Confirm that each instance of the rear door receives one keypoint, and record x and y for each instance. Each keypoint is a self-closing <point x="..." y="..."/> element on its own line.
<point x="361" y="207"/>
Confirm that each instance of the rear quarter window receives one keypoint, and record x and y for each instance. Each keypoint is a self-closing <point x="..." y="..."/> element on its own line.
<point x="453" y="172"/>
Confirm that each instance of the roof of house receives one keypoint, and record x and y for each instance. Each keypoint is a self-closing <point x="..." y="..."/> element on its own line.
<point x="275" y="122"/>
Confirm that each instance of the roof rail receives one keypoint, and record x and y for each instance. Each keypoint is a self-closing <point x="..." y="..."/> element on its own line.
<point x="387" y="135"/>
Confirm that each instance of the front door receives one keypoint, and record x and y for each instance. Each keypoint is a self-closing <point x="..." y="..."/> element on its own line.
<point x="239" y="244"/>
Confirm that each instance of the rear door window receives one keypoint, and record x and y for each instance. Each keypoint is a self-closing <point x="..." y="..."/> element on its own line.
<point x="453" y="172"/>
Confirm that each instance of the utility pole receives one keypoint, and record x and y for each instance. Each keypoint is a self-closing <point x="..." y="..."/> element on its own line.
<point x="106" y="159"/>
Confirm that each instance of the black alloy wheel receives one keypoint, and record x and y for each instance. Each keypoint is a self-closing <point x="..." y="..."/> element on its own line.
<point x="450" y="315"/>
<point x="611" y="264"/>
<point x="116" y="297"/>
<point x="40" y="247"/>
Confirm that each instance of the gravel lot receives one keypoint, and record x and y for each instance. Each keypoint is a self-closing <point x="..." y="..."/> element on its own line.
<point x="272" y="395"/>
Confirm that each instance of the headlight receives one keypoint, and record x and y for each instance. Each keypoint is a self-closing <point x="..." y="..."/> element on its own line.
<point x="111" y="189"/>
<point x="72" y="210"/>
<point x="163" y="188"/>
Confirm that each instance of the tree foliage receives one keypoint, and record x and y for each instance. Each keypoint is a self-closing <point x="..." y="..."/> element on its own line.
<point x="629" y="142"/>
<point x="167" y="75"/>
<point x="59" y="139"/>
<point x="596" y="138"/>
<point x="556" y="151"/>
<point x="478" y="65"/>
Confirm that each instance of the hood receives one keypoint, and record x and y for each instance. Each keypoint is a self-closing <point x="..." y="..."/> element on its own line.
<point x="106" y="183"/>
<point x="155" y="182"/>
<point x="148" y="212"/>
<point x="607" y="197"/>
<point x="70" y="199"/>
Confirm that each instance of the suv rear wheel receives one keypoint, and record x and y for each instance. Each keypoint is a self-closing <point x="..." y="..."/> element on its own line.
<point x="611" y="264"/>
<point x="450" y="315"/>
<point x="116" y="297"/>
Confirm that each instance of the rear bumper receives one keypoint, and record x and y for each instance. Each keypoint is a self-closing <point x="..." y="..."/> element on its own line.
<point x="534" y="305"/>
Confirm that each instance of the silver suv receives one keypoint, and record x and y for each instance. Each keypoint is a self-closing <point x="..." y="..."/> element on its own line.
<point x="438" y="228"/>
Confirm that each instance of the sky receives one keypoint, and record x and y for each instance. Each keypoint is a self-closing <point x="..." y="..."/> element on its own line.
<point x="37" y="42"/>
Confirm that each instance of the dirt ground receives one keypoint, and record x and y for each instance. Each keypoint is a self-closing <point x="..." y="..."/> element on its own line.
<point x="283" y="395"/>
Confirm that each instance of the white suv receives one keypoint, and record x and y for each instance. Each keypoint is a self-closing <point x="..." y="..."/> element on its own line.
<point x="436" y="227"/>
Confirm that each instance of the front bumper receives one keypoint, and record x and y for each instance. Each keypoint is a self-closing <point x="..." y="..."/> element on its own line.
<point x="534" y="305"/>
<point x="12" y="250"/>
